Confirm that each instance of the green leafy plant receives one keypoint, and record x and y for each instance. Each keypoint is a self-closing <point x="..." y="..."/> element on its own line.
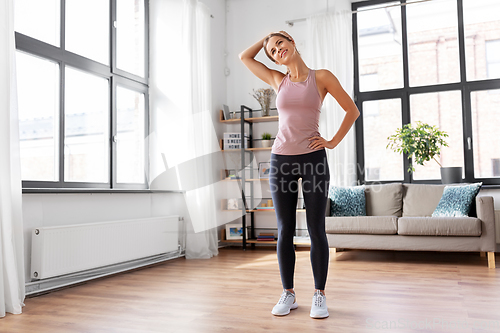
<point x="266" y="136"/>
<point x="422" y="142"/>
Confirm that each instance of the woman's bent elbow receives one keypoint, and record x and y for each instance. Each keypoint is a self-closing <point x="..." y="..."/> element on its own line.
<point x="242" y="56"/>
<point x="355" y="113"/>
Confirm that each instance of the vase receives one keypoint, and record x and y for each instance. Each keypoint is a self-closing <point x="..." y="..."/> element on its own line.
<point x="265" y="110"/>
<point x="451" y="175"/>
<point x="266" y="143"/>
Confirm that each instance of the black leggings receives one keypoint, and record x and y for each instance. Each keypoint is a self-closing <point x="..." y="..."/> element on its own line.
<point x="283" y="179"/>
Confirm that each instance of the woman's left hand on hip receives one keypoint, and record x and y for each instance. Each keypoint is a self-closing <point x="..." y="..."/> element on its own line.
<point x="318" y="142"/>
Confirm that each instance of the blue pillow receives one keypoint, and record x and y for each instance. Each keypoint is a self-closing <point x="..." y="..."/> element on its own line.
<point x="347" y="201"/>
<point x="457" y="200"/>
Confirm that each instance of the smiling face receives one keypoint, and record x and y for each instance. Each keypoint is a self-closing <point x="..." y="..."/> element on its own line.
<point x="279" y="48"/>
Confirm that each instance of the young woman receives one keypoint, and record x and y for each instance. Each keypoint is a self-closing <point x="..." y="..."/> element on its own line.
<point x="299" y="152"/>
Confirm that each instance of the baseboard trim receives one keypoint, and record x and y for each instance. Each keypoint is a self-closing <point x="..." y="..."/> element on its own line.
<point x="39" y="287"/>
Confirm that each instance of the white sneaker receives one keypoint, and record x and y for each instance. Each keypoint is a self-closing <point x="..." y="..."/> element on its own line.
<point x="285" y="304"/>
<point x="319" y="308"/>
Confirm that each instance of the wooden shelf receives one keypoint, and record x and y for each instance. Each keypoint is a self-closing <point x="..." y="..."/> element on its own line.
<point x="250" y="120"/>
<point x="262" y="119"/>
<point x="255" y="241"/>
<point x="256" y="149"/>
<point x="230" y="121"/>
<point x="222" y="120"/>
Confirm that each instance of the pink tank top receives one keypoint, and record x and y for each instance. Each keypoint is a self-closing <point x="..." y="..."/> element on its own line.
<point x="299" y="107"/>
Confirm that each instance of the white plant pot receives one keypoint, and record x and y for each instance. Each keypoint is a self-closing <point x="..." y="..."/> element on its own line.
<point x="266" y="143"/>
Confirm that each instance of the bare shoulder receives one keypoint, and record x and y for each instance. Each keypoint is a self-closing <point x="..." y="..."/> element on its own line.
<point x="324" y="76"/>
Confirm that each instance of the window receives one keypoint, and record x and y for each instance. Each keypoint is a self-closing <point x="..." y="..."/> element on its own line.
<point x="380" y="50"/>
<point x="485" y="125"/>
<point x="436" y="62"/>
<point x="38" y="117"/>
<point x="482" y="39"/>
<point x="443" y="109"/>
<point x="84" y="36"/>
<point x="130" y="135"/>
<point x="493" y="59"/>
<point x="86" y="127"/>
<point x="83" y="93"/>
<point x="432" y="39"/>
<point x="378" y="127"/>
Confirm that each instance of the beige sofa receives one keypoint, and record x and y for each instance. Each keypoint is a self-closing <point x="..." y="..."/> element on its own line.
<point x="399" y="218"/>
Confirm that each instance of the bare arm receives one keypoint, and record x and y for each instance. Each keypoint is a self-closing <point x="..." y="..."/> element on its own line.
<point x="270" y="76"/>
<point x="330" y="84"/>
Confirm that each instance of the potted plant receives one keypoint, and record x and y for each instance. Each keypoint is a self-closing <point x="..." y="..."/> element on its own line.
<point x="264" y="97"/>
<point x="423" y="143"/>
<point x="266" y="140"/>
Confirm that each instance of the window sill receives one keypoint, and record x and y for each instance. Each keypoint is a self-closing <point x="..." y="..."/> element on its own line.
<point x="93" y="190"/>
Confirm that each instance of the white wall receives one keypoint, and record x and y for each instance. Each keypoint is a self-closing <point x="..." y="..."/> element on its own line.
<point x="218" y="45"/>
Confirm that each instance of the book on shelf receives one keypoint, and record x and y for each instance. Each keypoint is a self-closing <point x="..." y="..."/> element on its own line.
<point x="265" y="236"/>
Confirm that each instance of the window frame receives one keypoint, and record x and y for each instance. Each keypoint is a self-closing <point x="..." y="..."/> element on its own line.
<point x="114" y="75"/>
<point x="464" y="86"/>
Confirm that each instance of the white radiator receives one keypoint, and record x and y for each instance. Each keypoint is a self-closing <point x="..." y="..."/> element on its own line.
<point x="72" y="248"/>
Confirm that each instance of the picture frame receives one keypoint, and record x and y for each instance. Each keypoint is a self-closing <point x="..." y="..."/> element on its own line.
<point x="234" y="231"/>
<point x="264" y="169"/>
<point x="225" y="110"/>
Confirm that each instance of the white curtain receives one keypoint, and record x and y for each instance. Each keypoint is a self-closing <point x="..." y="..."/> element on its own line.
<point x="330" y="47"/>
<point x="11" y="223"/>
<point x="181" y="104"/>
<point x="201" y="201"/>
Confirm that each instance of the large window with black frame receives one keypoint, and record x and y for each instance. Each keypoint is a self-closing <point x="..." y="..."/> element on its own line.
<point x="82" y="76"/>
<point x="434" y="61"/>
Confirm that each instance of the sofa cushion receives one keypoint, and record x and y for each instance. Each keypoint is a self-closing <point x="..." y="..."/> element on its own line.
<point x="439" y="226"/>
<point x="376" y="225"/>
<point x="347" y="201"/>
<point x="384" y="199"/>
<point x="457" y="200"/>
<point x="421" y="199"/>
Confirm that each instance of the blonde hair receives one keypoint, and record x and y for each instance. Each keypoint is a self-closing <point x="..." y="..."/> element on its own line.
<point x="274" y="34"/>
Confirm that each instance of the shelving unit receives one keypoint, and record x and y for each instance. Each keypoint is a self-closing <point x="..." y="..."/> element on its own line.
<point x="245" y="211"/>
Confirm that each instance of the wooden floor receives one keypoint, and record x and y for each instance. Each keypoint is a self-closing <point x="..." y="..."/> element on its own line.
<point x="367" y="291"/>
